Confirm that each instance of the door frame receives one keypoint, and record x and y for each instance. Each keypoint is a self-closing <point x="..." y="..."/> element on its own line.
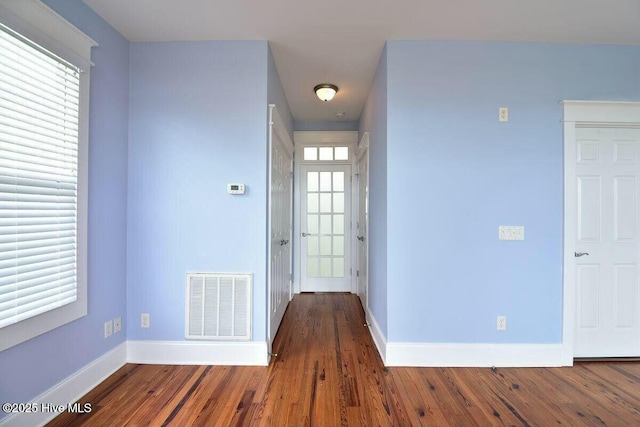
<point x="319" y="138"/>
<point x="276" y="124"/>
<point x="582" y="114"/>
<point x="362" y="151"/>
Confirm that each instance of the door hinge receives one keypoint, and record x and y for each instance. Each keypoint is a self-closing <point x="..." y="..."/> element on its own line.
<point x="358" y="273"/>
<point x="351" y="272"/>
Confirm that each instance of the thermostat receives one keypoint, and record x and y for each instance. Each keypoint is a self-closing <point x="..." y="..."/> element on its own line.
<point x="235" y="188"/>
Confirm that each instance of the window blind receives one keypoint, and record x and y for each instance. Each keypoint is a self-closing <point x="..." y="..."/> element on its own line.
<point x="39" y="109"/>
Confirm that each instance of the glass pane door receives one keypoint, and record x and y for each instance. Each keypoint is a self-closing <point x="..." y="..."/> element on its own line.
<point x="325" y="227"/>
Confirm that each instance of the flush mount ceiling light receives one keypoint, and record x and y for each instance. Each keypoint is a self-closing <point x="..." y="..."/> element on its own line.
<point x="325" y="91"/>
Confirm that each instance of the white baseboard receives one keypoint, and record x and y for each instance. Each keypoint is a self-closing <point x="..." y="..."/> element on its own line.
<point x="247" y="353"/>
<point x="473" y="355"/>
<point x="377" y="335"/>
<point x="72" y="388"/>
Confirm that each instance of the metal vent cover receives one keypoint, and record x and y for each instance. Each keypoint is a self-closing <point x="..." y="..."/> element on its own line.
<point x="218" y="306"/>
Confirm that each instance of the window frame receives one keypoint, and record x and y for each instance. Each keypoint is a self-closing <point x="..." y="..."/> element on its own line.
<point x="40" y="24"/>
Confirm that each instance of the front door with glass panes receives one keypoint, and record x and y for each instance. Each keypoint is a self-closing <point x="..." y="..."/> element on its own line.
<point x="325" y="200"/>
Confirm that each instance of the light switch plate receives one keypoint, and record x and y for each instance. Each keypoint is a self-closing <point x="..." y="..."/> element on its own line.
<point x="503" y="114"/>
<point x="144" y="320"/>
<point x="511" y="232"/>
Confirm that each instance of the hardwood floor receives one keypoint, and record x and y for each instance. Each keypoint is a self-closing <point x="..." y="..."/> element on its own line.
<point x="328" y="373"/>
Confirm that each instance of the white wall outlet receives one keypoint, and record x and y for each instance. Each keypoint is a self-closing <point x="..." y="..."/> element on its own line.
<point x="144" y="320"/>
<point x="108" y="329"/>
<point x="503" y="114"/>
<point x="511" y="232"/>
<point x="117" y="324"/>
<point x="501" y="324"/>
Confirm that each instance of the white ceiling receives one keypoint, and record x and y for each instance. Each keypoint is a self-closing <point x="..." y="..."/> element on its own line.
<point x="340" y="41"/>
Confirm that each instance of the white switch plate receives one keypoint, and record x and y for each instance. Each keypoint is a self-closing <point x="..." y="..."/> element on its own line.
<point x="117" y="324"/>
<point x="511" y="232"/>
<point x="503" y="114"/>
<point x="144" y="320"/>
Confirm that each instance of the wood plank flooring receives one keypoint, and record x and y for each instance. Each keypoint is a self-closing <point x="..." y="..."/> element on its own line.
<point x="328" y="373"/>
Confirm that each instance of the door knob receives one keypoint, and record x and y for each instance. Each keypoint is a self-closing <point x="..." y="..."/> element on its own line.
<point x="305" y="234"/>
<point x="361" y="238"/>
<point x="579" y="254"/>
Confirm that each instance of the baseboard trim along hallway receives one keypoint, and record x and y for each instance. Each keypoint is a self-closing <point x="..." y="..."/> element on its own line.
<point x="249" y="353"/>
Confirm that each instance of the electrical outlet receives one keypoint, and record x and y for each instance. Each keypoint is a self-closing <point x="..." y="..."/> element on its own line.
<point x="117" y="324"/>
<point x="108" y="329"/>
<point x="503" y="114"/>
<point x="144" y="320"/>
<point x="502" y="323"/>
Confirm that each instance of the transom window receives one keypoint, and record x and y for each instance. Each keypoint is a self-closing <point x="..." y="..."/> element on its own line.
<point x="326" y="153"/>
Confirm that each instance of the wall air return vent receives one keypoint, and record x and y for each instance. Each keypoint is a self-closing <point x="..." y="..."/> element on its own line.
<point x="218" y="306"/>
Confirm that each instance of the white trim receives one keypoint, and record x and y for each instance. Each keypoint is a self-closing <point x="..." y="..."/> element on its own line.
<point x="361" y="150"/>
<point x="569" y="229"/>
<point x="473" y="355"/>
<point x="39" y="23"/>
<point x="72" y="388"/>
<point x="577" y="114"/>
<point x="306" y="138"/>
<point x="325" y="137"/>
<point x="604" y="112"/>
<point x="378" y="337"/>
<point x="197" y="353"/>
<point x="362" y="146"/>
<point x="277" y="125"/>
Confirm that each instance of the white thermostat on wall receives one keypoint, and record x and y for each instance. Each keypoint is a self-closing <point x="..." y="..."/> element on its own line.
<point x="235" y="188"/>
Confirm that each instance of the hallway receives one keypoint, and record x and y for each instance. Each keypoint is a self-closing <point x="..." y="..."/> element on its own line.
<point x="328" y="372"/>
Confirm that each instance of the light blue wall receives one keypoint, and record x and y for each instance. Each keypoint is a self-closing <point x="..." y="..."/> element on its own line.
<point x="374" y="121"/>
<point x="304" y="125"/>
<point x="198" y="120"/>
<point x="27" y="370"/>
<point x="455" y="174"/>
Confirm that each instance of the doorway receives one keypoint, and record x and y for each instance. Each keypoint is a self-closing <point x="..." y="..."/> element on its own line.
<point x="324" y="211"/>
<point x="602" y="221"/>
<point x="280" y="223"/>
<point x="362" y="221"/>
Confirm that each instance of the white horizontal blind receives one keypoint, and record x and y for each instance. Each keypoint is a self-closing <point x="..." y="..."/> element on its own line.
<point x="39" y="109"/>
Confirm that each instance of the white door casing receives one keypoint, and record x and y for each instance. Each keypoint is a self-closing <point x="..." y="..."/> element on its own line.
<point x="325" y="218"/>
<point x="280" y="222"/>
<point x="601" y="294"/>
<point x="320" y="140"/>
<point x="362" y="221"/>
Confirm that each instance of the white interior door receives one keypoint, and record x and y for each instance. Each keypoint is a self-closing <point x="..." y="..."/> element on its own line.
<point x="606" y="247"/>
<point x="362" y="228"/>
<point x="325" y="209"/>
<point x="280" y="222"/>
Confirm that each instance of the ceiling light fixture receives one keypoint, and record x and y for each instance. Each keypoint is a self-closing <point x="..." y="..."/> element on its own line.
<point x="325" y="91"/>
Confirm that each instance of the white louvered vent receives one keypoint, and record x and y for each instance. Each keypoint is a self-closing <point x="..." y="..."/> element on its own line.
<point x="218" y="306"/>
